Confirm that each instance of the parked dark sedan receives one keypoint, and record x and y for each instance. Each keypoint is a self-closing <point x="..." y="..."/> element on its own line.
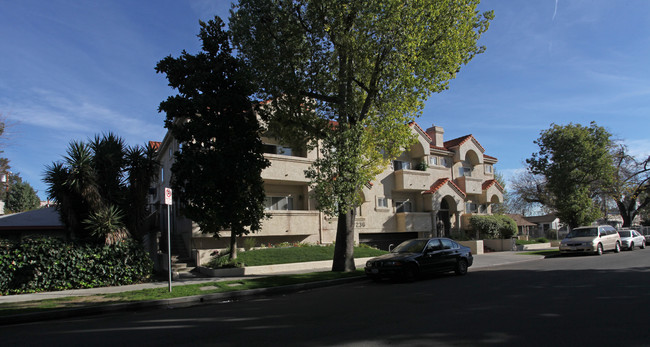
<point x="413" y="257"/>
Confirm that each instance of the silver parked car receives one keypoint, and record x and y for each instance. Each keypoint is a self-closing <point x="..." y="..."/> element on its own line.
<point x="631" y="238"/>
<point x="591" y="239"/>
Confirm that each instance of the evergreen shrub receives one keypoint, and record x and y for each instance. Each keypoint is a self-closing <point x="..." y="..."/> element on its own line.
<point x="47" y="264"/>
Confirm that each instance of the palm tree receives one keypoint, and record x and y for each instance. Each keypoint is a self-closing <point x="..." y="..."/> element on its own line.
<point x="141" y="168"/>
<point x="106" y="224"/>
<point x="91" y="189"/>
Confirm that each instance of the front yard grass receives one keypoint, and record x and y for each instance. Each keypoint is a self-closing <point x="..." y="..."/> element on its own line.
<point x="8" y="309"/>
<point x="286" y="255"/>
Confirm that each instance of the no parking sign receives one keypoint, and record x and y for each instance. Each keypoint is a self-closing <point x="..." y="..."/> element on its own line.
<point x="168" y="196"/>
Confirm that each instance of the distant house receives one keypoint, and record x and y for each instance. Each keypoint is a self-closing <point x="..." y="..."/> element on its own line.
<point x="39" y="222"/>
<point x="545" y="224"/>
<point x="523" y="226"/>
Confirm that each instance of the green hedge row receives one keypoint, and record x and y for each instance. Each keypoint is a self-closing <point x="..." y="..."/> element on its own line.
<point x="494" y="226"/>
<point x="50" y="264"/>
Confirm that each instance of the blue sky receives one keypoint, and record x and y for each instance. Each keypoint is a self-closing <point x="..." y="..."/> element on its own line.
<point x="72" y="69"/>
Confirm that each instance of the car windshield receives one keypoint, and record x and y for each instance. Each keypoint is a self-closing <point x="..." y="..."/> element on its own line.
<point x="625" y="233"/>
<point x="582" y="233"/>
<point x="410" y="246"/>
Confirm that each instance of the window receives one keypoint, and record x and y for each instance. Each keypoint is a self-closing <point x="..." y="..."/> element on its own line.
<point x="402" y="206"/>
<point x="278" y="203"/>
<point x="471" y="207"/>
<point x="488" y="168"/>
<point x="401" y="165"/>
<point x="445" y="162"/>
<point x="482" y="208"/>
<point x="162" y="174"/>
<point x="433" y="160"/>
<point x="382" y="202"/>
<point x="277" y="149"/>
<point x="465" y="171"/>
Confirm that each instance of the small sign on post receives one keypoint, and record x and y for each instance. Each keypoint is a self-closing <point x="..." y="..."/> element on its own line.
<point x="168" y="196"/>
<point x="168" y="202"/>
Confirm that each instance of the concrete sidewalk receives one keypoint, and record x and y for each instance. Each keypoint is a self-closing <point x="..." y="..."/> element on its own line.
<point x="481" y="261"/>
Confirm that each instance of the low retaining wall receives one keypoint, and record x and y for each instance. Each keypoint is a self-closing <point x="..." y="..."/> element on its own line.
<point x="534" y="246"/>
<point x="324" y="265"/>
<point x="476" y="246"/>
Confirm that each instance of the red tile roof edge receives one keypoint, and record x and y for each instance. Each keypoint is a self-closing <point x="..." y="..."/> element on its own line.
<point x="440" y="183"/>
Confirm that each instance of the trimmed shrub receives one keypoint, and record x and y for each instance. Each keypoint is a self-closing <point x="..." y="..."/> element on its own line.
<point x="494" y="226"/>
<point x="47" y="264"/>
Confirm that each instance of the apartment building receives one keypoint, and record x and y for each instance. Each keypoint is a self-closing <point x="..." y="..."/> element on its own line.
<point x="430" y="190"/>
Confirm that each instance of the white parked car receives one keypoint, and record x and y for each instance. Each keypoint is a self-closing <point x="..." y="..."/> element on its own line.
<point x="631" y="238"/>
<point x="591" y="239"/>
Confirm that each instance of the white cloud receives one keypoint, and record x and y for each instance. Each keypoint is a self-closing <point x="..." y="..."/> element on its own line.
<point x="640" y="149"/>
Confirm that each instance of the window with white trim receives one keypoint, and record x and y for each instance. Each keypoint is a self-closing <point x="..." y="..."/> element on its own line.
<point x="382" y="202"/>
<point x="433" y="160"/>
<point x="488" y="168"/>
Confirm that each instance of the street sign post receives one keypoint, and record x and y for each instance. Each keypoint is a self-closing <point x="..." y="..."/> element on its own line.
<point x="168" y="202"/>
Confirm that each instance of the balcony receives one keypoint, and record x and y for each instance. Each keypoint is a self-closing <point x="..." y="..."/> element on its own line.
<point x="286" y="169"/>
<point x="293" y="222"/>
<point x="470" y="185"/>
<point x="413" y="222"/>
<point x="412" y="180"/>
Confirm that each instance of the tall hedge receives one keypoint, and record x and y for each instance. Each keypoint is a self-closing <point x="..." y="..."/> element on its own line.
<point x="494" y="226"/>
<point x="50" y="264"/>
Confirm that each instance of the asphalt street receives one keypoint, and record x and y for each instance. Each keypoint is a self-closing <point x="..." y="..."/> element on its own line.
<point x="583" y="300"/>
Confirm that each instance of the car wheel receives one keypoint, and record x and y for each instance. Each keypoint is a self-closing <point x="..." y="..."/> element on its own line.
<point x="461" y="267"/>
<point x="643" y="244"/>
<point x="410" y="272"/>
<point x="617" y="248"/>
<point x="631" y="248"/>
<point x="599" y="249"/>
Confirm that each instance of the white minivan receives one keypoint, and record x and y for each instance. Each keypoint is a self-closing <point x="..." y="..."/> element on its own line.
<point x="591" y="239"/>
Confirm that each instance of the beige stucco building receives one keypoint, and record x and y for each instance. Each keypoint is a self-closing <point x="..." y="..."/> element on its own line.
<point x="430" y="190"/>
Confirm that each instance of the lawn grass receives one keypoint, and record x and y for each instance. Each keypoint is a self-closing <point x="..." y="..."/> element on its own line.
<point x="271" y="256"/>
<point x="7" y="309"/>
<point x="546" y="252"/>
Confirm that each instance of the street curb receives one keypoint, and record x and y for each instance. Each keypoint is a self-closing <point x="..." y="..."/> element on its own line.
<point x="181" y="302"/>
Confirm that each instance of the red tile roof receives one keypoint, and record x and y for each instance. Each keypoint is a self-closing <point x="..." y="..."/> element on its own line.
<point x="423" y="132"/>
<point x="489" y="183"/>
<point x="461" y="140"/>
<point x="440" y="183"/>
<point x="155" y="144"/>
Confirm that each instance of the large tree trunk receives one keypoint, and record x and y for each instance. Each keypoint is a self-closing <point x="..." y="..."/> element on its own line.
<point x="233" y="245"/>
<point x="344" y="248"/>
<point x="626" y="212"/>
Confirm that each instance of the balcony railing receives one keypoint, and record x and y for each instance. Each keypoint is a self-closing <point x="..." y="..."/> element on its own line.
<point x="470" y="185"/>
<point x="413" y="221"/>
<point x="412" y="180"/>
<point x="286" y="169"/>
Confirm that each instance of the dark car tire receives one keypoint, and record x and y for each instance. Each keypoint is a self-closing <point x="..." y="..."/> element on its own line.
<point x="617" y="249"/>
<point x="410" y="272"/>
<point x="631" y="248"/>
<point x="461" y="267"/>
<point x="599" y="249"/>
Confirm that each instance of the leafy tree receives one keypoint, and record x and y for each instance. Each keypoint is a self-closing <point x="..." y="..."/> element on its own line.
<point x="93" y="187"/>
<point x="20" y="196"/>
<point x="577" y="165"/>
<point x="352" y="75"/>
<point x="631" y="185"/>
<point x="218" y="172"/>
